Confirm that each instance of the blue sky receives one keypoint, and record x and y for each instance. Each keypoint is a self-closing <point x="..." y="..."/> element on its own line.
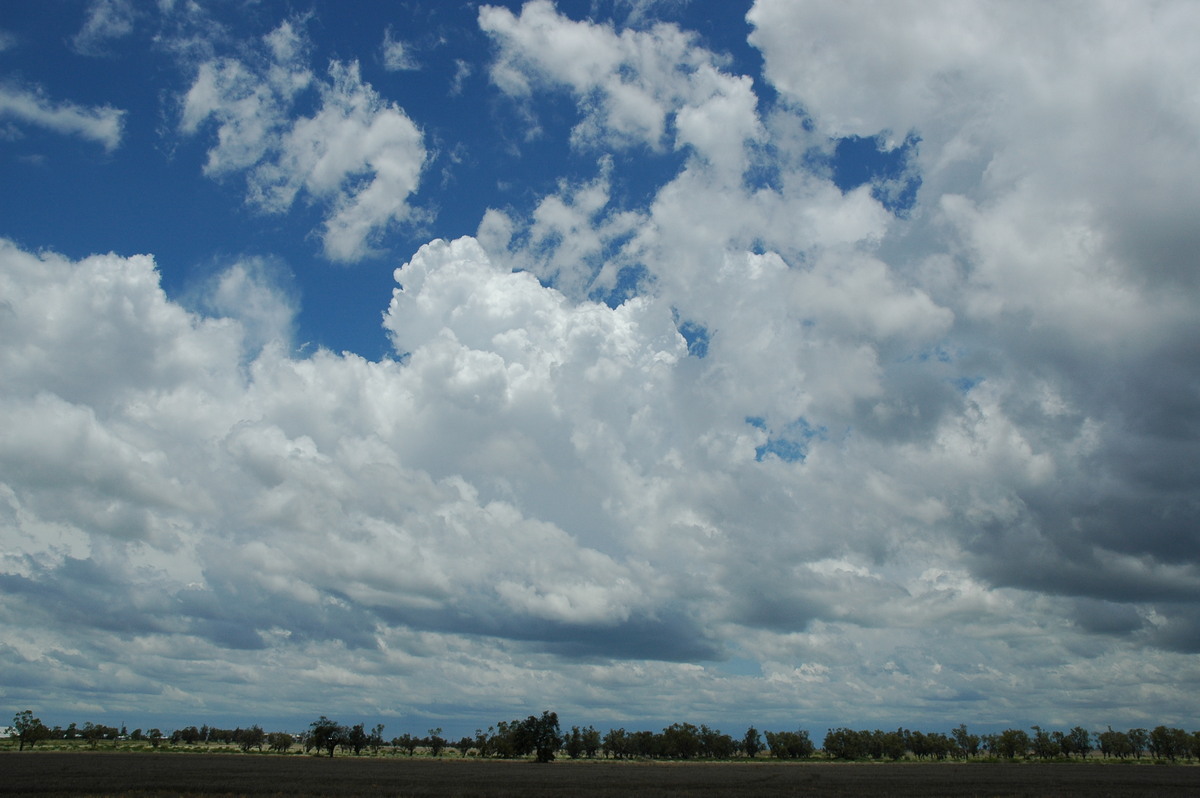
<point x="774" y="363"/>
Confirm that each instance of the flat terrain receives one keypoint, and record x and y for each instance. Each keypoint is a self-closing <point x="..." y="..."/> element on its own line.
<point x="115" y="774"/>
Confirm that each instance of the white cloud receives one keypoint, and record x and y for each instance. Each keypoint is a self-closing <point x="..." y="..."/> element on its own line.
<point x="100" y="124"/>
<point x="358" y="154"/>
<point x="630" y="86"/>
<point x="106" y="20"/>
<point x="919" y="459"/>
<point x="396" y="55"/>
<point x="253" y="292"/>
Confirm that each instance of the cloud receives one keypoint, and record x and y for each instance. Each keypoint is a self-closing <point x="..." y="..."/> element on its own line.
<point x="396" y="57"/>
<point x="917" y="460"/>
<point x="257" y="293"/>
<point x="359" y="155"/>
<point x="100" y="124"/>
<point x="631" y="86"/>
<point x="107" y="20"/>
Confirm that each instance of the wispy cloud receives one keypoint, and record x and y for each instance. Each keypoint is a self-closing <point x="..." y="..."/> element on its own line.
<point x="100" y="124"/>
<point x="107" y="20"/>
<point x="396" y="54"/>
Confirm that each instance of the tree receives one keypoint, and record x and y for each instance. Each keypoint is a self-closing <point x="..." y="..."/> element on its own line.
<point x="407" y="742"/>
<point x="845" y="744"/>
<point x="280" y="742"/>
<point x="436" y="742"/>
<point x="591" y="742"/>
<point x="1078" y="741"/>
<point x="357" y="739"/>
<point x="464" y="745"/>
<point x="93" y="734"/>
<point x="968" y="744"/>
<point x="715" y="745"/>
<point x="751" y="742"/>
<point x="29" y="729"/>
<point x="790" y="745"/>
<point x="155" y="736"/>
<point x="680" y="741"/>
<point x="615" y="744"/>
<point x="542" y="735"/>
<point x="1011" y="743"/>
<point x="1044" y="744"/>
<point x="252" y="738"/>
<point x="1166" y="743"/>
<point x="1139" y="739"/>
<point x="1114" y="743"/>
<point x="327" y="735"/>
<point x="375" y="738"/>
<point x="574" y="743"/>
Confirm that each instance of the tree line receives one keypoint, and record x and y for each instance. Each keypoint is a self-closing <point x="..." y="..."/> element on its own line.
<point x="542" y="738"/>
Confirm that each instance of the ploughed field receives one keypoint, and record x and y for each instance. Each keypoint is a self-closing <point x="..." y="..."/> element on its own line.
<point x="114" y="774"/>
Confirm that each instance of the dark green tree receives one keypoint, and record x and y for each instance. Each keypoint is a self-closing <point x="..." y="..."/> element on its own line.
<point x="464" y="745"/>
<point x="435" y="742"/>
<point x="615" y="744"/>
<point x="751" y="743"/>
<point x="357" y="739"/>
<point x="968" y="744"/>
<point x="846" y="744"/>
<point x="254" y="737"/>
<point x="1139" y="739"/>
<point x="1114" y="743"/>
<point x="327" y="735"/>
<point x="680" y="741"/>
<point x="29" y="730"/>
<point x="407" y="742"/>
<point x="790" y="745"/>
<point x="542" y="735"/>
<point x="375" y="738"/>
<point x="1167" y="743"/>
<point x="280" y="742"/>
<point x="1044" y="744"/>
<point x="591" y="742"/>
<point x="1011" y="743"/>
<point x="1077" y="741"/>
<point x="574" y="743"/>
<point x="93" y="734"/>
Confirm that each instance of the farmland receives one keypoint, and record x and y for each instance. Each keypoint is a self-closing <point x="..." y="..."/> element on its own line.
<point x="203" y="774"/>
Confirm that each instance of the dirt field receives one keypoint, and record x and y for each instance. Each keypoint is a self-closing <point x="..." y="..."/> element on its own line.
<point x="110" y="774"/>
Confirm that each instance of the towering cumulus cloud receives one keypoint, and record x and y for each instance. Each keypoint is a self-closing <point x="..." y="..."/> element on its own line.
<point x="762" y="442"/>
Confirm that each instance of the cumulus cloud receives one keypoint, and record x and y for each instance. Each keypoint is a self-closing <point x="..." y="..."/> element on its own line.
<point x="101" y="124"/>
<point x="632" y="85"/>
<point x="358" y="154"/>
<point x="818" y="461"/>
<point x="255" y="292"/>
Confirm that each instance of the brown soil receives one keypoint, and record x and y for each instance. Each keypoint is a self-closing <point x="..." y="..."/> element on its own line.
<point x="114" y="774"/>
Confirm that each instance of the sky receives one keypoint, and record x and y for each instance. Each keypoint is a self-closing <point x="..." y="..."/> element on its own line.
<point x="432" y="364"/>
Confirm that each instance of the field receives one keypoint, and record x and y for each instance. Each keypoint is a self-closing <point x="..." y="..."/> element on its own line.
<point x="116" y="774"/>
